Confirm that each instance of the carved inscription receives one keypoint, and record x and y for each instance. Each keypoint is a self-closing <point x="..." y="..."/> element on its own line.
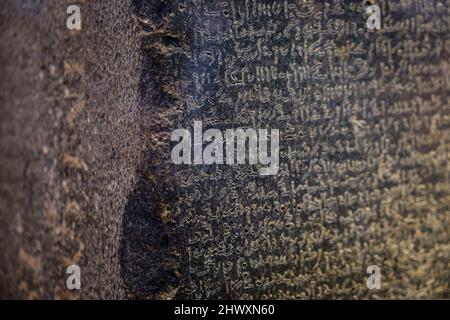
<point x="364" y="122"/>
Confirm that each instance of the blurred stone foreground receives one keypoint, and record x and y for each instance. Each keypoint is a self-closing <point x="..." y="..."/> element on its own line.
<point x="70" y="145"/>
<point x="81" y="185"/>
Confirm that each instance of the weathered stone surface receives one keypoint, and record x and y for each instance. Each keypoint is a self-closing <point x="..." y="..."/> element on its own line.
<point x="70" y="141"/>
<point x="86" y="175"/>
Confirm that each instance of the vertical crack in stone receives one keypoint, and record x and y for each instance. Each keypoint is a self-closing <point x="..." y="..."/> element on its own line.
<point x="149" y="249"/>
